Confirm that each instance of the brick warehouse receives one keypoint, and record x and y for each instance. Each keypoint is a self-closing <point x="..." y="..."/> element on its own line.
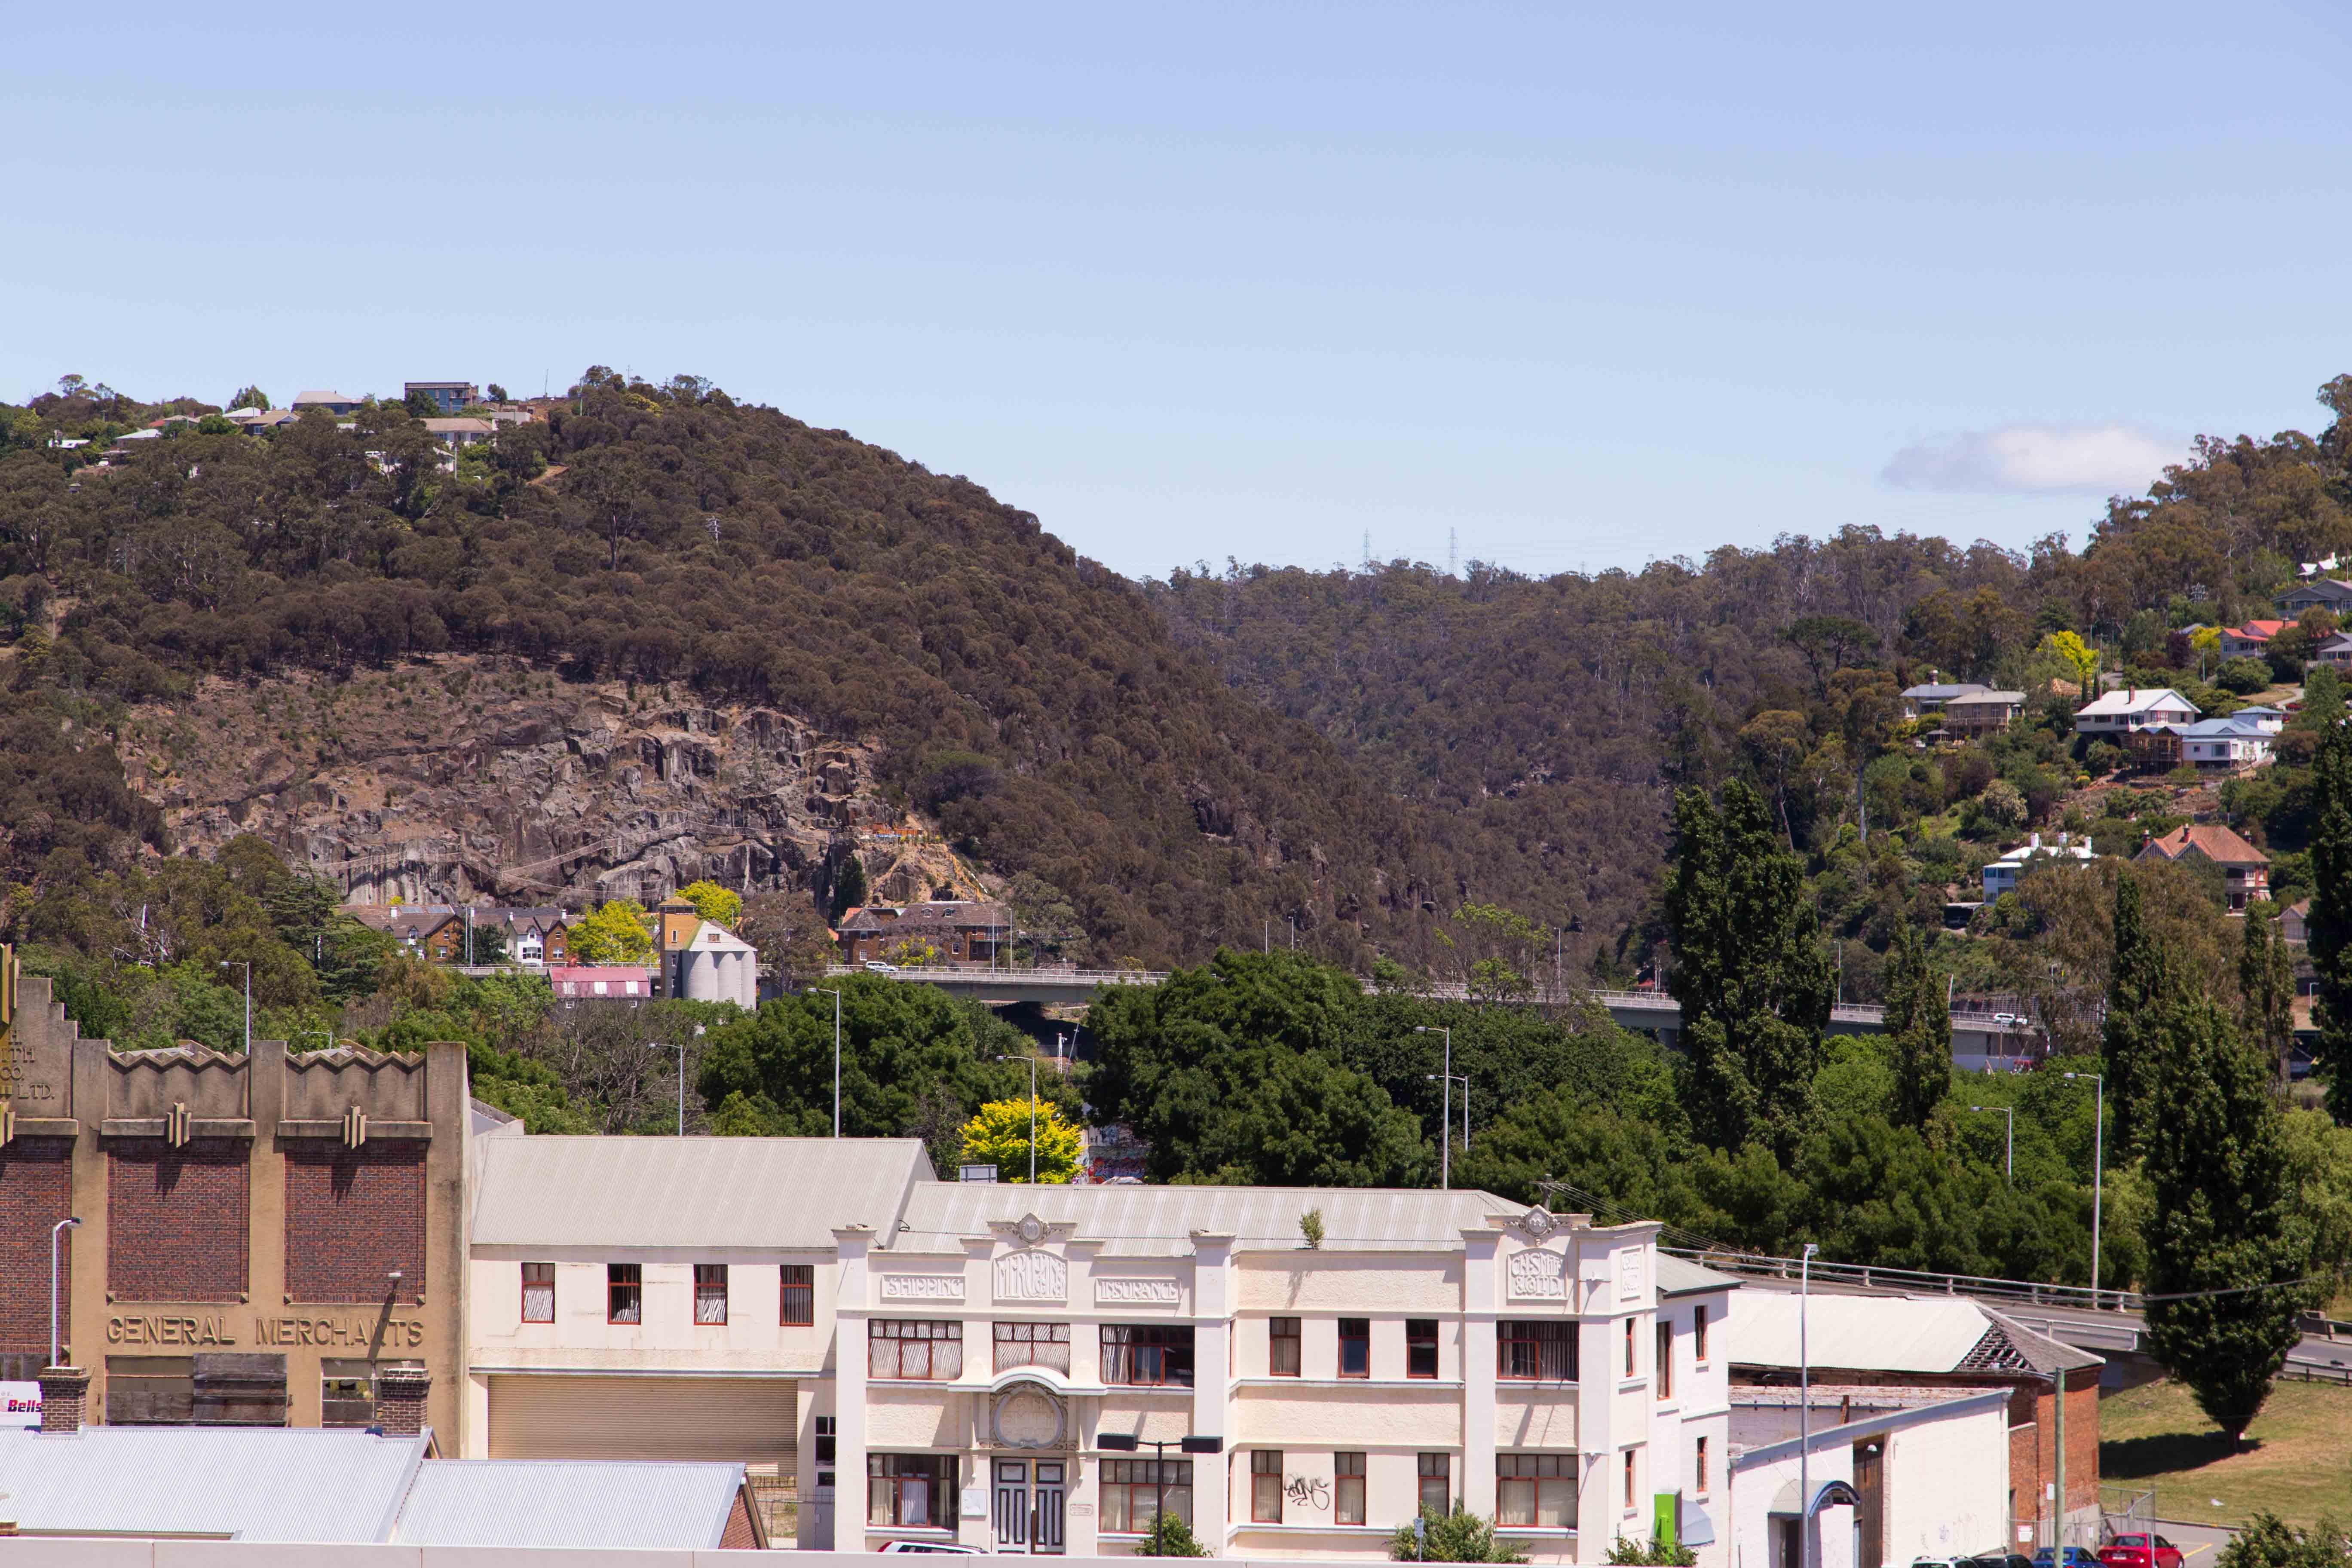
<point x="260" y="1238"/>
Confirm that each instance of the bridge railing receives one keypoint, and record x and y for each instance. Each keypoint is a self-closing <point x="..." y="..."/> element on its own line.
<point x="1873" y="1277"/>
<point x="982" y="974"/>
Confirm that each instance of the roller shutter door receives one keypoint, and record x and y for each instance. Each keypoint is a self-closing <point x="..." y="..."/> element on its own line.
<point x="744" y="1420"/>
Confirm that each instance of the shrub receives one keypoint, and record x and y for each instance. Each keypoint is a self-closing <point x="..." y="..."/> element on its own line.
<point x="2243" y="675"/>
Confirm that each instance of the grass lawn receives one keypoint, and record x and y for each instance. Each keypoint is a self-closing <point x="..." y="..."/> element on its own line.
<point x="2296" y="1463"/>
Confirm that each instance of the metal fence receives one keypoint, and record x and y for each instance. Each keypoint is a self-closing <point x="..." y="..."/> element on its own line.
<point x="1873" y="1277"/>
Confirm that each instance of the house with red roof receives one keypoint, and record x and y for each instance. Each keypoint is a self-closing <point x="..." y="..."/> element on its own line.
<point x="2245" y="870"/>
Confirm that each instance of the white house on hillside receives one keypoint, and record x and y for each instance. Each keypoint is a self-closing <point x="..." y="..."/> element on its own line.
<point x="2120" y="712"/>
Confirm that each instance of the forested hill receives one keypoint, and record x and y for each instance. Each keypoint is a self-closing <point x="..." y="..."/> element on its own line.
<point x="1553" y="716"/>
<point x="1031" y="701"/>
<point x="1368" y="756"/>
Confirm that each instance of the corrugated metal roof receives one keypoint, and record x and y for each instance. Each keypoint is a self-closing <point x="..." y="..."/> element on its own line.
<point x="1681" y="1277"/>
<point x="251" y="1483"/>
<point x="692" y="1191"/>
<point x="1140" y="1221"/>
<point x="1876" y="1333"/>
<point x="567" y="1503"/>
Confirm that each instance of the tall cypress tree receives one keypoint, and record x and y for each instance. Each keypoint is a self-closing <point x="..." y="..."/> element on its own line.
<point x="1748" y="971"/>
<point x="2139" y="980"/>
<point x="2330" y="925"/>
<point x="1919" y="1028"/>
<point x="2266" y="986"/>
<point x="2217" y="1161"/>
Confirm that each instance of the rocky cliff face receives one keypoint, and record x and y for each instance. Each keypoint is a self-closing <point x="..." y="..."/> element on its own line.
<point x="480" y="778"/>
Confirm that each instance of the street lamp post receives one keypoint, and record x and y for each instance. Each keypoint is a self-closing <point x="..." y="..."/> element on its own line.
<point x="246" y="964"/>
<point x="1445" y="1116"/>
<point x="1804" y="1410"/>
<point x="56" y="1231"/>
<point x="2098" y="1170"/>
<point x="1451" y="1079"/>
<point x="2008" y="1140"/>
<point x="836" y="1054"/>
<point x="1032" y="1059"/>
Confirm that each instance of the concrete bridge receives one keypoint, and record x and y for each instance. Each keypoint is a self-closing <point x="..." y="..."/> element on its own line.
<point x="1981" y="1041"/>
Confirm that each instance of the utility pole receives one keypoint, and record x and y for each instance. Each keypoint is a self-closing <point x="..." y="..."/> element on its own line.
<point x="1804" y="1411"/>
<point x="836" y="1055"/>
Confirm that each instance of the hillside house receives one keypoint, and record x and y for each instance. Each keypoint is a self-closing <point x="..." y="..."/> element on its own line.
<point x="449" y="397"/>
<point x="2252" y="638"/>
<point x="1983" y="712"/>
<point x="2245" y="870"/>
<point x="2336" y="650"/>
<point x="2113" y="715"/>
<point x="2001" y="876"/>
<point x="2222" y="744"/>
<point x="2319" y="594"/>
<point x="530" y="936"/>
<point x="1921" y="700"/>
<point x="332" y="402"/>
<point x="962" y="931"/>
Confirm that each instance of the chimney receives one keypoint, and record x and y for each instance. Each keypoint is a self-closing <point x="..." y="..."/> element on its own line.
<point x="65" y="1392"/>
<point x="400" y="1394"/>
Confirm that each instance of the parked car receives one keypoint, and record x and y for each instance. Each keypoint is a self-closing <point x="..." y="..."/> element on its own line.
<point x="2139" y="1551"/>
<point x="932" y="1546"/>
<point x="1999" y="1560"/>
<point x="876" y="966"/>
<point x="2076" y="1557"/>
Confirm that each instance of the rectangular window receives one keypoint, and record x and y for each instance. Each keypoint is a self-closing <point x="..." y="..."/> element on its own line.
<point x="1420" y="1347"/>
<point x="1146" y="1354"/>
<point x="710" y="1292"/>
<point x="1266" y="1486"/>
<point x="1033" y="1344"/>
<point x="1132" y="1489"/>
<point x="1629" y="1479"/>
<point x="1665" y="1362"/>
<point x="1699" y="1335"/>
<point x="797" y="1308"/>
<point x="1535" y="1352"/>
<point x="1355" y="1347"/>
<point x="1629" y="1347"/>
<point x="1698" y="1468"/>
<point x="911" y="1491"/>
<point x="1347" y="1489"/>
<point x="1437" y="1483"/>
<point x="910" y="1349"/>
<point x="625" y="1293"/>
<point x="538" y="1292"/>
<point x="828" y="1440"/>
<point x="1536" y="1489"/>
<point x="346" y="1394"/>
<point x="1281" y="1357"/>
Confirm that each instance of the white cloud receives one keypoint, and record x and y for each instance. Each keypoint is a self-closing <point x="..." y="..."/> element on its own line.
<point x="2036" y="459"/>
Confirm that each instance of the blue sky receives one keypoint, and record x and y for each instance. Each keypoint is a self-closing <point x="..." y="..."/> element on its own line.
<point x="1583" y="289"/>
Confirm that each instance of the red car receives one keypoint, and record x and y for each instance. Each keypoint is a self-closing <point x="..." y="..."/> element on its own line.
<point x="2139" y="1551"/>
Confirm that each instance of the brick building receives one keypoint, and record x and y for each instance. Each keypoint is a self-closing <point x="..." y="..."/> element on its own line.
<point x="260" y="1238"/>
<point x="959" y="931"/>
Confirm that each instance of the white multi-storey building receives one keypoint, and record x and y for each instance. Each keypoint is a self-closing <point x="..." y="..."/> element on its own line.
<point x="992" y="1366"/>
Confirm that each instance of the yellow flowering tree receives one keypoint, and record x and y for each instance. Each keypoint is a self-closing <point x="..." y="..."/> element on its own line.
<point x="713" y="903"/>
<point x="614" y="933"/>
<point x="999" y="1136"/>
